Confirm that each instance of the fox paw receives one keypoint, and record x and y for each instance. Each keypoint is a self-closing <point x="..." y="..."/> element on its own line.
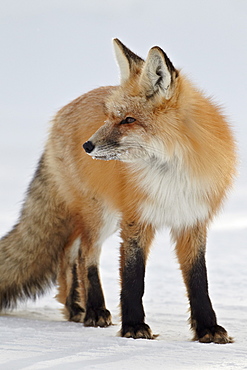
<point x="217" y="334"/>
<point x="97" y="317"/>
<point x="137" y="331"/>
<point x="75" y="313"/>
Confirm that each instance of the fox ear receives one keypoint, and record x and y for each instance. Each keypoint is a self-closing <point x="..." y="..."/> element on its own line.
<point x="158" y="73"/>
<point x="129" y="63"/>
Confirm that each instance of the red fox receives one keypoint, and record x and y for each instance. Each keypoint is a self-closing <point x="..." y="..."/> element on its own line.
<point x="156" y="153"/>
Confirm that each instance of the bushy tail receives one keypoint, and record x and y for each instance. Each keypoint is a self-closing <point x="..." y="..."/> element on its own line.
<point x="29" y="254"/>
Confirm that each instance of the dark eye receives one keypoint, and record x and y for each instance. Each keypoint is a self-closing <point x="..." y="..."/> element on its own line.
<point x="127" y="120"/>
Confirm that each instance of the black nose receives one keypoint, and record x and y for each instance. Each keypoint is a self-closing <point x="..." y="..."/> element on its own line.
<point x="88" y="146"/>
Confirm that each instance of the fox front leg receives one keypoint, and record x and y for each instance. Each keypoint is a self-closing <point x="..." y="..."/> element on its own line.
<point x="190" y="248"/>
<point x="134" y="251"/>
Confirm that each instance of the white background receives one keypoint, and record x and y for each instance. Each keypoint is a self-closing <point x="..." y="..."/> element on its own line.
<point x="53" y="51"/>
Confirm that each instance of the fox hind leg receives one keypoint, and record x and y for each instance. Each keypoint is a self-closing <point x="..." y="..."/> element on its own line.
<point x="80" y="284"/>
<point x="80" y="290"/>
<point x="70" y="291"/>
<point x="90" y="287"/>
<point x="73" y="303"/>
<point x="96" y="312"/>
<point x="190" y="248"/>
<point x="83" y="297"/>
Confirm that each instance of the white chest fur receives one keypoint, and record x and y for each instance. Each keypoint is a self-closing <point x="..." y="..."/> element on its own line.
<point x="174" y="199"/>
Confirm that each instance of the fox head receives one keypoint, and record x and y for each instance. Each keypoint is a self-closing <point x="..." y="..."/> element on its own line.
<point x="141" y="112"/>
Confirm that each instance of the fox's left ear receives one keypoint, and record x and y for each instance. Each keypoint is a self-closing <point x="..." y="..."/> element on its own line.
<point x="129" y="63"/>
<point x="158" y="74"/>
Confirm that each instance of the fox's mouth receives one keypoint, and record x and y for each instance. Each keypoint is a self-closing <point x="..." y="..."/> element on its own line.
<point x="102" y="153"/>
<point x="106" y="157"/>
<point x="124" y="153"/>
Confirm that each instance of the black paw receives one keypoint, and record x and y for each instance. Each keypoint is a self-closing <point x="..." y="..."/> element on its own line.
<point x="137" y="331"/>
<point x="216" y="334"/>
<point x="97" y="317"/>
<point x="75" y="312"/>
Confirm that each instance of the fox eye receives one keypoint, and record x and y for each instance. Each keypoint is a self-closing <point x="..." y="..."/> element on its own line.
<point x="127" y="120"/>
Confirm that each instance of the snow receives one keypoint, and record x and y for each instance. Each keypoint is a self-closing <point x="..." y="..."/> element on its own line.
<point x="51" y="52"/>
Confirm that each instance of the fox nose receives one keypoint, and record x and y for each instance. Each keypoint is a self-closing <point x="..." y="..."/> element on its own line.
<point x="88" y="146"/>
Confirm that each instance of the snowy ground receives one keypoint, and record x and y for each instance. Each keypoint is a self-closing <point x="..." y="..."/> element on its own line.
<point x="52" y="52"/>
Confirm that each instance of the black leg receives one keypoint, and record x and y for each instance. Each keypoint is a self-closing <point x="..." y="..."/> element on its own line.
<point x="191" y="245"/>
<point x="96" y="312"/>
<point x="76" y="312"/>
<point x="134" y="250"/>
<point x="203" y="318"/>
<point x="202" y="314"/>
